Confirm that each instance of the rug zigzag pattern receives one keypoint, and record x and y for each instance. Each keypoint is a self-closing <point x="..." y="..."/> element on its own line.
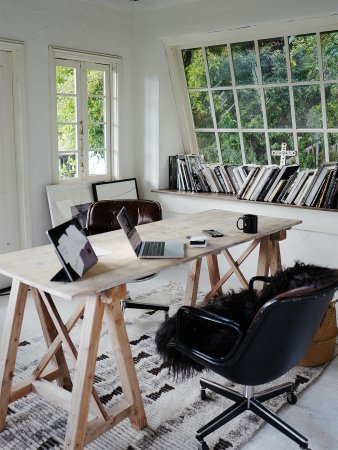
<point x="173" y="407"/>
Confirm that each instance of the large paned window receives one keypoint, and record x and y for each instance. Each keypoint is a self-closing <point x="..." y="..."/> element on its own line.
<point x="85" y="102"/>
<point x="247" y="98"/>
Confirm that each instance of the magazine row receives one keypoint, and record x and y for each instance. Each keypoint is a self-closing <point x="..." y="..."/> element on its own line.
<point x="269" y="183"/>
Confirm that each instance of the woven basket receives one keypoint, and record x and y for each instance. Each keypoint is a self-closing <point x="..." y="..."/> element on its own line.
<point x="322" y="348"/>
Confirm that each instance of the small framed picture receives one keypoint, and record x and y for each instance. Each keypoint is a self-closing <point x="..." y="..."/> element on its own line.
<point x="116" y="190"/>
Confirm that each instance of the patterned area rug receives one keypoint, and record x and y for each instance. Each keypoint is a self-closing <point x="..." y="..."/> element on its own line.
<point x="174" y="408"/>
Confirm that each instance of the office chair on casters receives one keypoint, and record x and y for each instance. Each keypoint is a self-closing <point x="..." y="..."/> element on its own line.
<point x="102" y="218"/>
<point x="276" y="340"/>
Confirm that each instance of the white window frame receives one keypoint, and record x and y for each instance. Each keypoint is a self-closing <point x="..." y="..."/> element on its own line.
<point x="17" y="50"/>
<point x="115" y="64"/>
<point x="174" y="46"/>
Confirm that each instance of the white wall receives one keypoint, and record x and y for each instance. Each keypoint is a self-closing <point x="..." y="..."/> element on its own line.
<point x="72" y="24"/>
<point x="162" y="137"/>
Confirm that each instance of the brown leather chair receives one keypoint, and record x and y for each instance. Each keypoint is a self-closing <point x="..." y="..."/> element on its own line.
<point x="102" y="218"/>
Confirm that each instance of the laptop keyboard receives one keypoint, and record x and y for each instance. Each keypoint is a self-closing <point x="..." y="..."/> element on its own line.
<point x="153" y="248"/>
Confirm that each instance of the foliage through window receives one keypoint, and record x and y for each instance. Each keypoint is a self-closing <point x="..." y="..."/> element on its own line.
<point x="247" y="98"/>
<point x="83" y="98"/>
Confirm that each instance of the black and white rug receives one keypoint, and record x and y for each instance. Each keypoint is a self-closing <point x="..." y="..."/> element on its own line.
<point x="174" y="408"/>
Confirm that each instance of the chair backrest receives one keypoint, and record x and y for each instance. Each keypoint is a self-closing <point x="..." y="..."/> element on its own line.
<point x="102" y="214"/>
<point x="279" y="335"/>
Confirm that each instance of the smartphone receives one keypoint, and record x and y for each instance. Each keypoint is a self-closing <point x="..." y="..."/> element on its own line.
<point x="213" y="233"/>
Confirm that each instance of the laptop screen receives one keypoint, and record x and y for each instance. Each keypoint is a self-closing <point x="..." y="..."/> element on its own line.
<point x="73" y="249"/>
<point x="131" y="233"/>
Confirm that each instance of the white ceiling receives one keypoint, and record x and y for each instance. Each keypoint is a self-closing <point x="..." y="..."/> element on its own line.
<point x="141" y="5"/>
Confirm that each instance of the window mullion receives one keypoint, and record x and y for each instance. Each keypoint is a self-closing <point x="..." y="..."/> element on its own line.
<point x="292" y="101"/>
<point x="238" y="117"/>
<point x="262" y="97"/>
<point x="212" y="106"/>
<point x="322" y="95"/>
<point x="84" y="119"/>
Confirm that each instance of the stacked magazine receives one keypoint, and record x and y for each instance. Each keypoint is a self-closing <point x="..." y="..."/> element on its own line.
<point x="269" y="183"/>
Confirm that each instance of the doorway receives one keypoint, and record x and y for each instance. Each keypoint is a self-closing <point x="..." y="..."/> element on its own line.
<point x="14" y="198"/>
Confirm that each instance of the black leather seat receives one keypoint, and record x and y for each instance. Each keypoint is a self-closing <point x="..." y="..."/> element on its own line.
<point x="102" y="218"/>
<point x="276" y="340"/>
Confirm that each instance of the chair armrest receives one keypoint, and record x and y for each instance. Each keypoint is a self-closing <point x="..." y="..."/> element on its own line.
<point x="258" y="278"/>
<point x="205" y="315"/>
<point x="194" y="353"/>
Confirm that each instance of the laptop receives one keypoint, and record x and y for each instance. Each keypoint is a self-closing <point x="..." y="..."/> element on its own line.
<point x="148" y="249"/>
<point x="73" y="250"/>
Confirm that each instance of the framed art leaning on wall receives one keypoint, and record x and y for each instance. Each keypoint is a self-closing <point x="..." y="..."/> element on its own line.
<point x="116" y="190"/>
<point x="61" y="197"/>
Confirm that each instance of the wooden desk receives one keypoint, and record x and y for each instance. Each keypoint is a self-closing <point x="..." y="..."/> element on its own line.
<point x="99" y="293"/>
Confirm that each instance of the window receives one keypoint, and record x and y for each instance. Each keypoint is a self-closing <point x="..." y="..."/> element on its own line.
<point x="247" y="98"/>
<point x="85" y="105"/>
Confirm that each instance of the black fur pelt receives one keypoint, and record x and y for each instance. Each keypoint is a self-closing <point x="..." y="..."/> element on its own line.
<point x="241" y="306"/>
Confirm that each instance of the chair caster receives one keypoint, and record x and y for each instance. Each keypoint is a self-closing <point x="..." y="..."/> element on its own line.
<point x="202" y="445"/>
<point x="203" y="394"/>
<point x="291" y="398"/>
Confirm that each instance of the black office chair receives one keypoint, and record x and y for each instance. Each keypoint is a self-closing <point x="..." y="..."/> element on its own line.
<point x="276" y="340"/>
<point x="102" y="218"/>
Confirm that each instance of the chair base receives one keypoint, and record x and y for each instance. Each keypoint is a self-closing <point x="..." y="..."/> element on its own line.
<point x="253" y="402"/>
<point x="128" y="303"/>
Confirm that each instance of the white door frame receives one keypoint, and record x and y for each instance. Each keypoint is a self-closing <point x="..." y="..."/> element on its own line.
<point x="20" y="132"/>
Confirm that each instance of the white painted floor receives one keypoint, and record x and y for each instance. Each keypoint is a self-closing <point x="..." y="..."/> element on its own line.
<point x="315" y="415"/>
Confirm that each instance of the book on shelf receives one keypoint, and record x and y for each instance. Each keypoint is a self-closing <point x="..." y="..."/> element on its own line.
<point x="230" y="171"/>
<point x="244" y="172"/>
<point x="247" y="183"/>
<point x="300" y="180"/>
<point x="304" y="190"/>
<point x="318" y="194"/>
<point x="227" y="180"/>
<point x="334" y="202"/>
<point x="221" y="180"/>
<point x="286" y="189"/>
<point x="267" y="174"/>
<point x="329" y="194"/>
<point x="318" y="182"/>
<point x="276" y="190"/>
<point x="322" y="194"/>
<point x="238" y="176"/>
<point x="272" y="176"/>
<point x="210" y="177"/>
<point x="182" y="174"/>
<point x="284" y="173"/>
<point x="172" y="172"/>
<point x="255" y="182"/>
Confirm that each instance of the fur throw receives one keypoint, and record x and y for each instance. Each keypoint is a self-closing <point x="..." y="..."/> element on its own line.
<point x="241" y="307"/>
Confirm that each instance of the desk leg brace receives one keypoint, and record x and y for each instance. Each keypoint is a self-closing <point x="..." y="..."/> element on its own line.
<point x="269" y="261"/>
<point x="50" y="333"/>
<point x="9" y="344"/>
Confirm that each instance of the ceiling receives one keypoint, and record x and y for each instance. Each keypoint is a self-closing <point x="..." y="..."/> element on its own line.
<point x="141" y="5"/>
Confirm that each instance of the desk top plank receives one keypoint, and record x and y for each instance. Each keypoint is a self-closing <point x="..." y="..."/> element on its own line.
<point x="36" y="266"/>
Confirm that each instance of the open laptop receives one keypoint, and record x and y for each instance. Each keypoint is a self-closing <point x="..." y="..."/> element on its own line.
<point x="149" y="249"/>
<point x="73" y="250"/>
